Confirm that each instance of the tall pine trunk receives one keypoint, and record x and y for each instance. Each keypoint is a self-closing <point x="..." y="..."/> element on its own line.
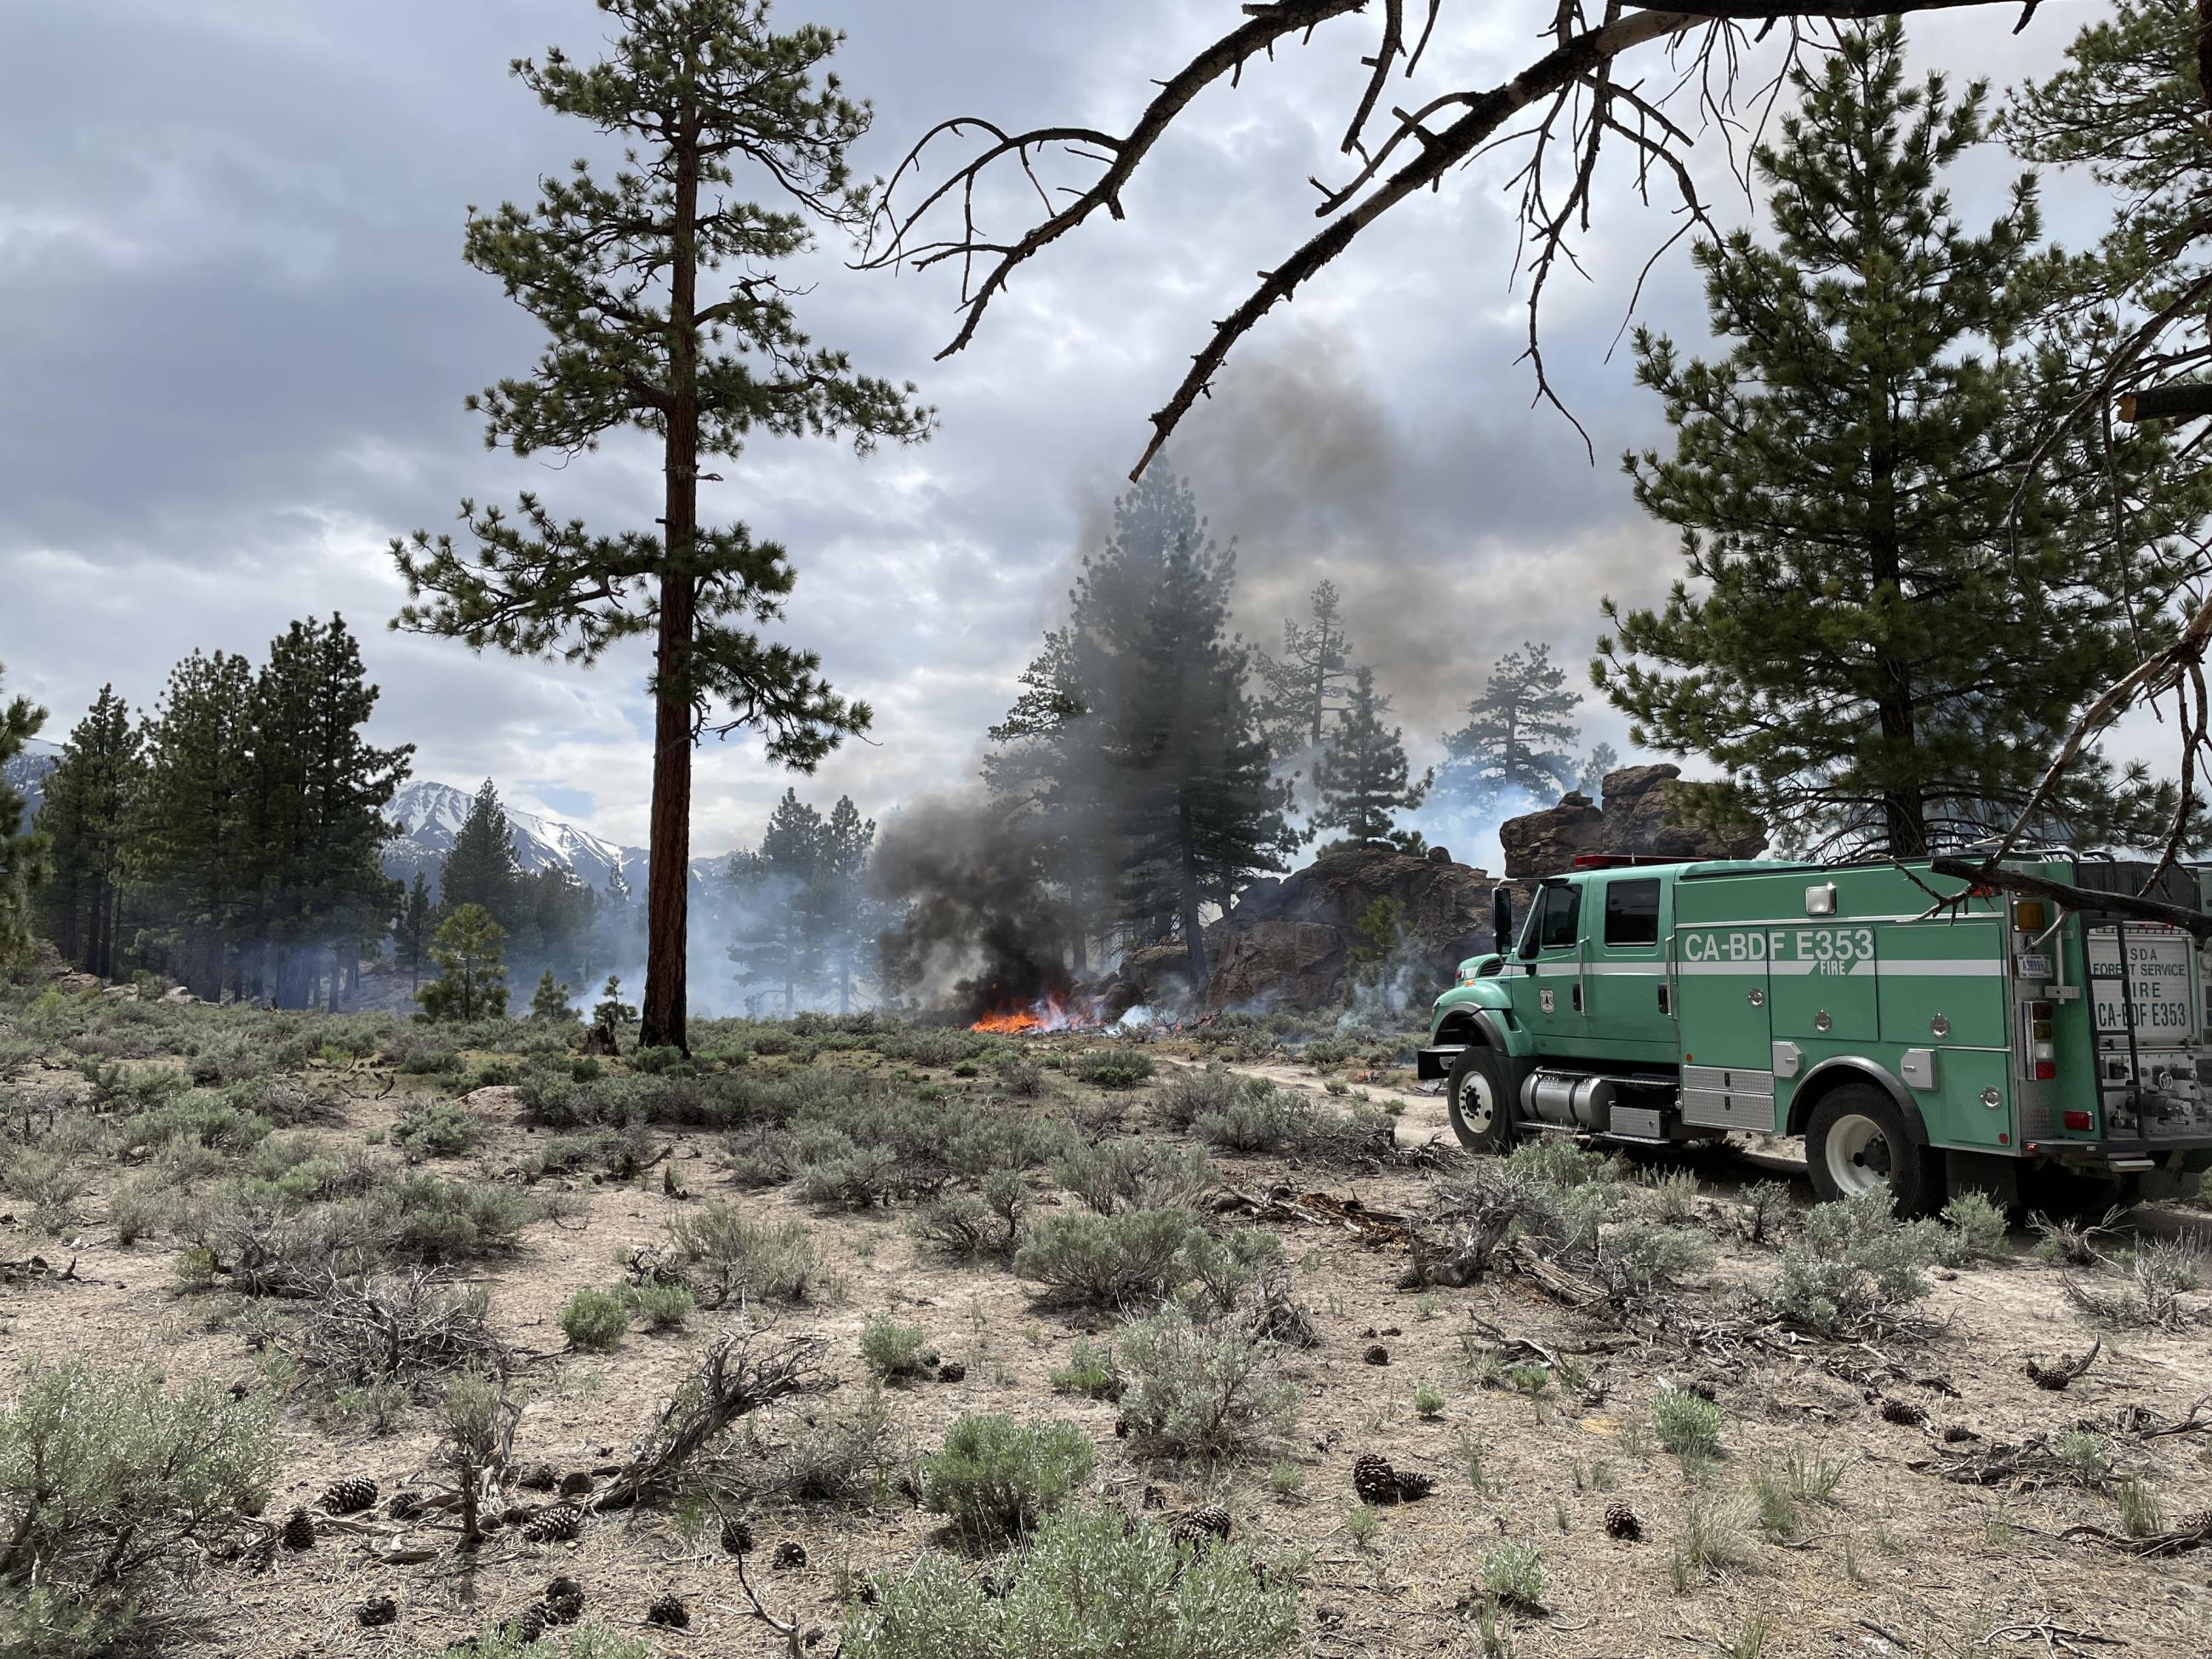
<point x="667" y="899"/>
<point x="1194" y="935"/>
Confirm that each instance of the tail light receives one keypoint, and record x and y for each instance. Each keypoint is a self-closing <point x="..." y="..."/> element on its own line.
<point x="2045" y="1069"/>
<point x="2077" y="1119"/>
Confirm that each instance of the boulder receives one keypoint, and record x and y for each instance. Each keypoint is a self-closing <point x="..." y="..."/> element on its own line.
<point x="1288" y="942"/>
<point x="1637" y="818"/>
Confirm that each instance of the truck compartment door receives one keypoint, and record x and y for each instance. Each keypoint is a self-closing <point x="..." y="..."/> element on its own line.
<point x="1721" y="989"/>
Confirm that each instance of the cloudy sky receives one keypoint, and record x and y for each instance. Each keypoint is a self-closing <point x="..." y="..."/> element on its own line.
<point x="235" y="333"/>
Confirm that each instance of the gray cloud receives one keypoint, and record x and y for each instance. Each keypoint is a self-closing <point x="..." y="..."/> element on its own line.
<point x="238" y="331"/>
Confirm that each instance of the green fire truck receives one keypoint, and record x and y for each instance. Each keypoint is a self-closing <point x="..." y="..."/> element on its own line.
<point x="2001" y="1043"/>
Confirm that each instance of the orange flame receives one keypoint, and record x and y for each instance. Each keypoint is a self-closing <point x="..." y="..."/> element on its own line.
<point x="1046" y="1014"/>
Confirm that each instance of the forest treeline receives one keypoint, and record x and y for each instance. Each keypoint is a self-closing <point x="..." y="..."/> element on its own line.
<point x="1907" y="563"/>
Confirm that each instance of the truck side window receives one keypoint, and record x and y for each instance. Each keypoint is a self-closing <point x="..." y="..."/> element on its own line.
<point x="1631" y="912"/>
<point x="1561" y="905"/>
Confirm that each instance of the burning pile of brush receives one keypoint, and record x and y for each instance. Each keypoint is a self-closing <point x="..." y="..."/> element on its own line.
<point x="1053" y="1012"/>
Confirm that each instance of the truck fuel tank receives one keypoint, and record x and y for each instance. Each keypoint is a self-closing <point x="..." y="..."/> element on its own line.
<point x="1570" y="1101"/>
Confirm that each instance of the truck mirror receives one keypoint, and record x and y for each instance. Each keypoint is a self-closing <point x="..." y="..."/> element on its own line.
<point x="1501" y="918"/>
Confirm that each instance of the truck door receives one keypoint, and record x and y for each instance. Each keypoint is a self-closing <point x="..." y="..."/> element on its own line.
<point x="1627" y="995"/>
<point x="1552" y="1002"/>
<point x="1721" y="993"/>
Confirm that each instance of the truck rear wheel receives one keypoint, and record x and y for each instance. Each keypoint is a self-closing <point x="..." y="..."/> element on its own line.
<point x="1857" y="1142"/>
<point x="1476" y="1101"/>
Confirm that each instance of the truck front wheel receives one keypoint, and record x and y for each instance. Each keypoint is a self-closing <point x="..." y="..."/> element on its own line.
<point x="1476" y="1101"/>
<point x="1857" y="1142"/>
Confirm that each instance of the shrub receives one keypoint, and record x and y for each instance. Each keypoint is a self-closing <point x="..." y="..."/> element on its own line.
<point x="662" y="1307"/>
<point x="1513" y="1574"/>
<point x="108" y="1482"/>
<point x="1428" y="1401"/>
<point x="1112" y="1068"/>
<point x="893" y="1351"/>
<point x="997" y="1478"/>
<point x="843" y="1455"/>
<point x="1188" y="1097"/>
<point x="753" y="1262"/>
<point x="1090" y="1370"/>
<point x="1687" y="1424"/>
<point x="1134" y="1175"/>
<point x="1674" y="1195"/>
<point x="594" y="1319"/>
<point x="1089" y="1584"/>
<point x="1854" y="1266"/>
<point x="1201" y="1391"/>
<point x="1110" y="1262"/>
<point x="1974" y="1227"/>
<point x="1637" y="1259"/>
<point x="967" y="1224"/>
<point x="440" y="1129"/>
<point x="1266" y="1120"/>
<point x="505" y="1641"/>
<point x="431" y="1220"/>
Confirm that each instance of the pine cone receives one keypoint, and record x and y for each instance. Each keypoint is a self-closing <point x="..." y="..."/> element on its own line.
<point x="298" y="1531"/>
<point x="377" y="1610"/>
<point x="1902" y="1412"/>
<point x="1621" y="1521"/>
<point x="1374" y="1480"/>
<point x="1412" y="1484"/>
<point x="737" y="1537"/>
<point x="951" y="1371"/>
<point x="575" y="1484"/>
<point x="1378" y="1355"/>
<point x="404" y="1506"/>
<point x="670" y="1612"/>
<point x="790" y="1554"/>
<point x="1201" y="1527"/>
<point x="349" y="1497"/>
<point x="1152" y="1497"/>
<point x="564" y="1601"/>
<point x="529" y="1624"/>
<point x="1704" y="1390"/>
<point x="1956" y="1434"/>
<point x="2198" y="1525"/>
<point x="540" y="1477"/>
<point x="556" y="1526"/>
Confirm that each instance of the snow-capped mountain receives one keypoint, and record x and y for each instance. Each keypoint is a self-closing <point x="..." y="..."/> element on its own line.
<point x="26" y="772"/>
<point x="431" y="814"/>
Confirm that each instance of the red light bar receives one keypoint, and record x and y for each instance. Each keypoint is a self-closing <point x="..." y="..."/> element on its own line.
<point x="2077" y="1119"/>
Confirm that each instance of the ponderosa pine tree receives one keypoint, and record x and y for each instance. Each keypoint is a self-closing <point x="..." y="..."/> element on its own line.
<point x="20" y="848"/>
<point x="320" y="790"/>
<point x="695" y="88"/>
<point x="1361" y="779"/>
<point x="471" y="982"/>
<point x="550" y="1002"/>
<point x="1519" y="736"/>
<point x="848" y="918"/>
<point x="1133" y="755"/>
<point x="1309" y="683"/>
<point x="1199" y="811"/>
<point x="782" y="935"/>
<point x="1600" y="760"/>
<point x="1900" y="602"/>
<point x="83" y="817"/>
<point x="192" y="833"/>
<point x="413" y="925"/>
<point x="480" y="867"/>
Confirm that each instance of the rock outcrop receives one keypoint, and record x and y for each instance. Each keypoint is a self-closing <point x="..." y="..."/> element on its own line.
<point x="1288" y="943"/>
<point x="1636" y="818"/>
